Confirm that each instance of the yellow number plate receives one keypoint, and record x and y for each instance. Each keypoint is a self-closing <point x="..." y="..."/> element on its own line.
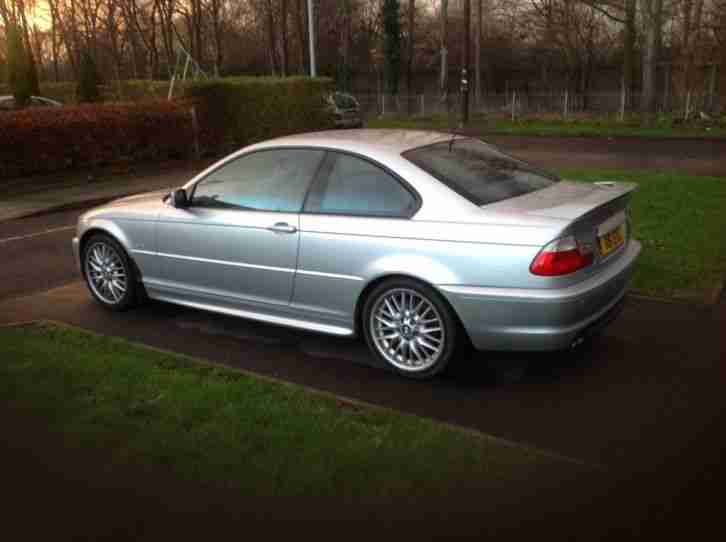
<point x="612" y="240"/>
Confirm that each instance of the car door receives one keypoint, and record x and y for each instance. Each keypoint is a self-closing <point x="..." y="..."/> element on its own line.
<point x="237" y="241"/>
<point x="352" y="217"/>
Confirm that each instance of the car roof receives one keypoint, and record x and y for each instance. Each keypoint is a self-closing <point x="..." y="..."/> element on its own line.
<point x="391" y="140"/>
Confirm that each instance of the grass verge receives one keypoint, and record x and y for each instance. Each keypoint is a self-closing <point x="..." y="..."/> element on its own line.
<point x="680" y="221"/>
<point x="576" y="127"/>
<point x="203" y="423"/>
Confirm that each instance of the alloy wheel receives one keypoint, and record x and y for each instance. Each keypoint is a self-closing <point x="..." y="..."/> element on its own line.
<point x="407" y="330"/>
<point x="106" y="273"/>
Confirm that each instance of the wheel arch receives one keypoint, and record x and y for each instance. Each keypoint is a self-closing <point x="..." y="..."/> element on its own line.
<point x="113" y="233"/>
<point x="372" y="284"/>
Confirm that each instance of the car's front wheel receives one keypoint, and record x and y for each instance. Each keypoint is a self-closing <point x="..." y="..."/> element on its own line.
<point x="109" y="273"/>
<point x="410" y="327"/>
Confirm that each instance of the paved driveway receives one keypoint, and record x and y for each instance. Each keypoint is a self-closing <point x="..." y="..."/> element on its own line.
<point x="636" y="398"/>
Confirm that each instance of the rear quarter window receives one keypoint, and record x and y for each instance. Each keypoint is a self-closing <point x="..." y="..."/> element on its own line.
<point x="479" y="172"/>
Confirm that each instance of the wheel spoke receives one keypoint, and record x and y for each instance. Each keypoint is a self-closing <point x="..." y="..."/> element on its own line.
<point x="406" y="353"/>
<point x="385" y="322"/>
<point x="416" y="353"/>
<point x="395" y="304"/>
<point x="393" y="312"/>
<point x="423" y="342"/>
<point x="112" y="290"/>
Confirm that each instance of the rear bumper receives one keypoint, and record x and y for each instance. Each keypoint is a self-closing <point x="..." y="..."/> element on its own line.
<point x="539" y="319"/>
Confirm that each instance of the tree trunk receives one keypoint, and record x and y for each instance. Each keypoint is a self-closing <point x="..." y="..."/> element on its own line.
<point x="217" y="15"/>
<point x="444" y="79"/>
<point x="54" y="44"/>
<point x="197" y="18"/>
<point x="283" y="36"/>
<point x="302" y="36"/>
<point x="629" y="51"/>
<point x="346" y="37"/>
<point x="477" y="52"/>
<point x="409" y="54"/>
<point x="653" y="20"/>
<point x="691" y="24"/>
<point x="271" y="41"/>
<point x="466" y="71"/>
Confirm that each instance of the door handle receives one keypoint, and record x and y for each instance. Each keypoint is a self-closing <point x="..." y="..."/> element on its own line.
<point x="282" y="227"/>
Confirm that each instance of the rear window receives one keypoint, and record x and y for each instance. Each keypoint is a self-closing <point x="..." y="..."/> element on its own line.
<point x="478" y="171"/>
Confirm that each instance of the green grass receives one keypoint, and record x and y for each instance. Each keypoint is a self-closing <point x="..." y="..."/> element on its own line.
<point x="595" y="127"/>
<point x="203" y="423"/>
<point x="681" y="222"/>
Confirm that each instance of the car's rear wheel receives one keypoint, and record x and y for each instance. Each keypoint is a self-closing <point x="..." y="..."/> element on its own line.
<point x="410" y="327"/>
<point x="109" y="273"/>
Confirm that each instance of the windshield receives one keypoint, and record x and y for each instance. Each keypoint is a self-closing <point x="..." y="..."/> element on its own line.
<point x="478" y="171"/>
<point x="345" y="101"/>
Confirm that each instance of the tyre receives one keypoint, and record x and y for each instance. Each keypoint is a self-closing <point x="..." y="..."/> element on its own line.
<point x="110" y="274"/>
<point x="410" y="327"/>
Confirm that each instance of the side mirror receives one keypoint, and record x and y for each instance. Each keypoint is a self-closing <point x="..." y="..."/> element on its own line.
<point x="179" y="198"/>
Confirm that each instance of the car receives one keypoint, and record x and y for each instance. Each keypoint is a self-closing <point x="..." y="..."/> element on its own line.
<point x="8" y="102"/>
<point x="345" y="109"/>
<point x="418" y="241"/>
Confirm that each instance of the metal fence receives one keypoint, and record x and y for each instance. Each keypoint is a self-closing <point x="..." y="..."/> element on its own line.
<point x="526" y="104"/>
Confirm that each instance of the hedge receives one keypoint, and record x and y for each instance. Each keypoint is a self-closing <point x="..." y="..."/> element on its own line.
<point x="233" y="112"/>
<point x="230" y="113"/>
<point x="49" y="139"/>
<point x="111" y="91"/>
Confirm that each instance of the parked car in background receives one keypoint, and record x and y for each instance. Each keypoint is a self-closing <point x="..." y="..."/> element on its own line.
<point x="345" y="109"/>
<point x="8" y="103"/>
<point x="418" y="241"/>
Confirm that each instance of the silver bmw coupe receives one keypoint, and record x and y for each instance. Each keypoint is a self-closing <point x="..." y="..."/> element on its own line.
<point x="419" y="241"/>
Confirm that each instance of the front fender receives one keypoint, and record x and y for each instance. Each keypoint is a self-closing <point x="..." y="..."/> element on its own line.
<point x="104" y="225"/>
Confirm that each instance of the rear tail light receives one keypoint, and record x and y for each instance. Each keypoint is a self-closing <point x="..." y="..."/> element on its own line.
<point x="561" y="257"/>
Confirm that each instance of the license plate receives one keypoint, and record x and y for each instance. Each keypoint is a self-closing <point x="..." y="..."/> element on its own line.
<point x="612" y="240"/>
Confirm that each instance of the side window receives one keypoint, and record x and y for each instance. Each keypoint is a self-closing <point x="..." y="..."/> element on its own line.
<point x="274" y="180"/>
<point x="357" y="187"/>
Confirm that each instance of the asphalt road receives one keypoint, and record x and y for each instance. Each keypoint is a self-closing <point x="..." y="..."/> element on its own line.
<point x="35" y="253"/>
